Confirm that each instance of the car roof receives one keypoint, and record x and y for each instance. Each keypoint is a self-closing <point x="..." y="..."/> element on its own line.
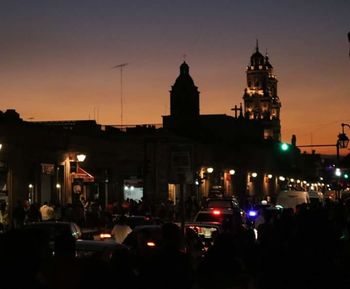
<point x="97" y="245"/>
<point x="55" y="227"/>
<point x="203" y="224"/>
<point x="233" y="201"/>
<point x="222" y="210"/>
<point x="222" y="198"/>
<point x="51" y="223"/>
<point x="147" y="228"/>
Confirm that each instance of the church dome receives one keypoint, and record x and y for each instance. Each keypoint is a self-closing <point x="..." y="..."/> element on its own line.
<point x="184" y="79"/>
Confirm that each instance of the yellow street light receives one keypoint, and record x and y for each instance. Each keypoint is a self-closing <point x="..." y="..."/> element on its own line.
<point x="81" y="157"/>
<point x="210" y="170"/>
<point x="232" y="172"/>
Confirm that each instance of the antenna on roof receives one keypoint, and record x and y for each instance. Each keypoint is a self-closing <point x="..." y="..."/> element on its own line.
<point x="349" y="42"/>
<point x="121" y="66"/>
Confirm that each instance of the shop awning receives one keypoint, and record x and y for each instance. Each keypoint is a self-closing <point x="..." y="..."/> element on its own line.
<point x="84" y="175"/>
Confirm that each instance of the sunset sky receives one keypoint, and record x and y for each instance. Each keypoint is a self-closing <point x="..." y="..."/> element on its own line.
<point x="57" y="59"/>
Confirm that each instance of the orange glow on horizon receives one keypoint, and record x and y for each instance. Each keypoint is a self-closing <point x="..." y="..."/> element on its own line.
<point x="49" y="71"/>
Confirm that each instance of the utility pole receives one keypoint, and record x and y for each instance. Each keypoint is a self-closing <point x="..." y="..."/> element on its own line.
<point x="121" y="66"/>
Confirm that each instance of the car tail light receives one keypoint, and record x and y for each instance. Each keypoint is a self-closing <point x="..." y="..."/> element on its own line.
<point x="150" y="244"/>
<point x="105" y="236"/>
<point x="216" y="212"/>
<point x="197" y="229"/>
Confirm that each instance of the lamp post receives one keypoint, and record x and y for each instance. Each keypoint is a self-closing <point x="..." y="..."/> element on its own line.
<point x="31" y="193"/>
<point x="208" y="183"/>
<point x="58" y="187"/>
<point x="342" y="143"/>
<point x="343" y="139"/>
<point x="77" y="185"/>
<point x="106" y="189"/>
<point x="80" y="158"/>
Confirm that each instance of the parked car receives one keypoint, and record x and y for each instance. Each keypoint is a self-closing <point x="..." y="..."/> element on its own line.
<point x="230" y="220"/>
<point x="56" y="228"/>
<point x="316" y="197"/>
<point x="221" y="202"/>
<point x="97" y="250"/>
<point x="139" y="220"/>
<point x="145" y="241"/>
<point x="291" y="198"/>
<point x="218" y="215"/>
<point x="132" y="221"/>
<point x="207" y="231"/>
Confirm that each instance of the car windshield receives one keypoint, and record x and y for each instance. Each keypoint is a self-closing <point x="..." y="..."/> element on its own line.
<point x="219" y="204"/>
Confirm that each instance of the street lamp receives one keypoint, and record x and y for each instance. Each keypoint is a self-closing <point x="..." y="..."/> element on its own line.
<point x="208" y="183"/>
<point x="81" y="157"/>
<point x="58" y="187"/>
<point x="31" y="193"/>
<point x="77" y="175"/>
<point x="232" y="172"/>
<point x="343" y="139"/>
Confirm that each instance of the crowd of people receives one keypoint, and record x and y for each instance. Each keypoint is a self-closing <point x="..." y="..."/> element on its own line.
<point x="91" y="214"/>
<point x="308" y="247"/>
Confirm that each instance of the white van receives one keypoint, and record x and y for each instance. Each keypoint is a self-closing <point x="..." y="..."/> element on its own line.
<point x="290" y="198"/>
<point x="316" y="197"/>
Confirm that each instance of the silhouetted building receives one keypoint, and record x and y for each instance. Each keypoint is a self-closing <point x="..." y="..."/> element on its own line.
<point x="261" y="101"/>
<point x="247" y="142"/>
<point x="39" y="161"/>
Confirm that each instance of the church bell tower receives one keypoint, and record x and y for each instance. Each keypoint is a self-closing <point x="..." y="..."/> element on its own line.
<point x="184" y="96"/>
<point x="184" y="104"/>
<point x="261" y="101"/>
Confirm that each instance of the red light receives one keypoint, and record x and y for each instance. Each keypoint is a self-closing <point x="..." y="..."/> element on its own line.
<point x="197" y="229"/>
<point x="216" y="212"/>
